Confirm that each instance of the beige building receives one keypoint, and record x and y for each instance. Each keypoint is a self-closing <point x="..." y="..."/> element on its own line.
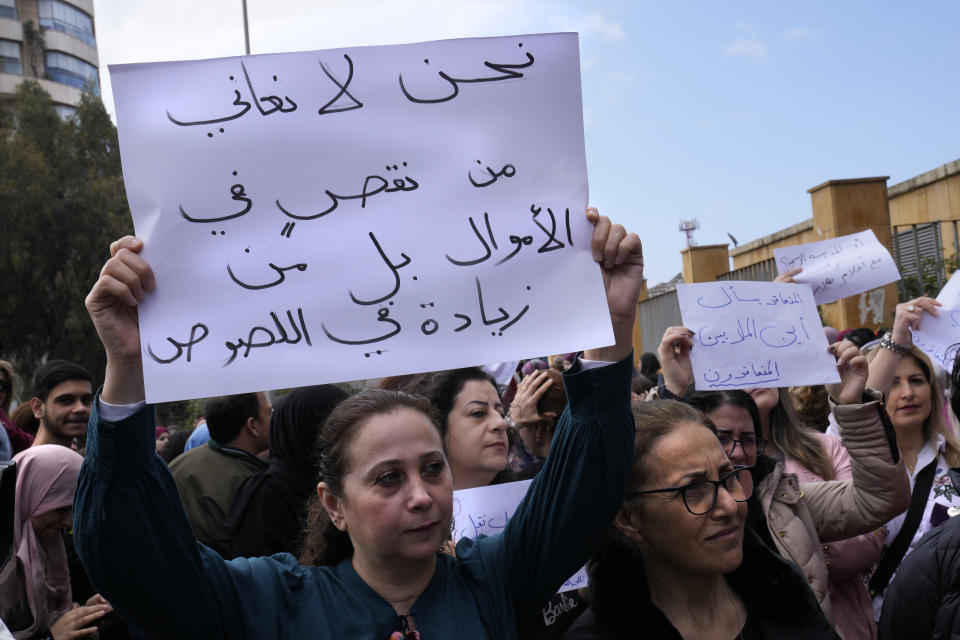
<point x="53" y="42"/>
<point x="917" y="220"/>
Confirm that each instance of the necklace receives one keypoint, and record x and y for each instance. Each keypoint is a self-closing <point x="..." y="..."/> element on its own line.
<point x="736" y="611"/>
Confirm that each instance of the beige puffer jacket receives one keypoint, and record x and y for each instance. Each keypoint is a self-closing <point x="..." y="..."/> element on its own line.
<point x="802" y="516"/>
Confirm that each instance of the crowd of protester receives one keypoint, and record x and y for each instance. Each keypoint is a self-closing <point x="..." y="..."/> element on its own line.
<point x="812" y="512"/>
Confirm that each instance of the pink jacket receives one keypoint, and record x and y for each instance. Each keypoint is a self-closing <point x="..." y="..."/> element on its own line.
<point x="846" y="560"/>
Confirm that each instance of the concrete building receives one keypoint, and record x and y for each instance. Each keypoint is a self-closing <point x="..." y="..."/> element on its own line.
<point x="917" y="220"/>
<point x="52" y="42"/>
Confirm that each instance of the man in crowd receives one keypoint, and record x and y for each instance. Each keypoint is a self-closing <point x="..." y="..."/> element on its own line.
<point x="62" y="395"/>
<point x="209" y="475"/>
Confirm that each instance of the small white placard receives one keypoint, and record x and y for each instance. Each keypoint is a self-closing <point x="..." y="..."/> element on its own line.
<point x="949" y="296"/>
<point x="939" y="337"/>
<point x="486" y="511"/>
<point x="755" y="334"/>
<point x="840" y="267"/>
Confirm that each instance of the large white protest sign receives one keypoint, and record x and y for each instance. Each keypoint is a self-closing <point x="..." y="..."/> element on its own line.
<point x="486" y="511"/>
<point x="755" y="334"/>
<point x="840" y="267"/>
<point x="354" y="213"/>
<point x="939" y="337"/>
<point x="949" y="295"/>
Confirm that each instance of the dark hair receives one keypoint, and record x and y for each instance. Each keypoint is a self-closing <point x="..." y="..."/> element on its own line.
<point x="649" y="365"/>
<point x="554" y="400"/>
<point x="441" y="389"/>
<point x="812" y="405"/>
<point x="323" y="543"/>
<point x="786" y="431"/>
<point x="12" y="383"/>
<point x="400" y="383"/>
<point x="654" y="420"/>
<point x="860" y="336"/>
<point x="226" y="415"/>
<point x="707" y="401"/>
<point x="641" y="383"/>
<point x="23" y="417"/>
<point x="53" y="372"/>
<point x="176" y="441"/>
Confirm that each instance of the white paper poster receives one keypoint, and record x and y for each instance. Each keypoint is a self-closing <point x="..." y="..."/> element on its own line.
<point x="840" y="267"/>
<point x="486" y="511"/>
<point x="357" y="213"/>
<point x="939" y="337"/>
<point x="755" y="334"/>
<point x="949" y="296"/>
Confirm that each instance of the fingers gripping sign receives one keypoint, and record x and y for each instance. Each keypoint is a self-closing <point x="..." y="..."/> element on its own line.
<point x="125" y="280"/>
<point x="620" y="255"/>
<point x="853" y="371"/>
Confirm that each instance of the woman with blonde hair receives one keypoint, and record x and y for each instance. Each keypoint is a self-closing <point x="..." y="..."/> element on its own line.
<point x="930" y="450"/>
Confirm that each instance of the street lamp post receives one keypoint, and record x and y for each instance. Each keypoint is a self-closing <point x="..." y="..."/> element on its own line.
<point x="246" y="29"/>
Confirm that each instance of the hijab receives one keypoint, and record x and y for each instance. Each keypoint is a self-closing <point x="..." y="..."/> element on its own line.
<point x="266" y="515"/>
<point x="46" y="480"/>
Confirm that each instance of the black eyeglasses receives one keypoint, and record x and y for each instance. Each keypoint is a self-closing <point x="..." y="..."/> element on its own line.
<point x="700" y="497"/>
<point x="751" y="446"/>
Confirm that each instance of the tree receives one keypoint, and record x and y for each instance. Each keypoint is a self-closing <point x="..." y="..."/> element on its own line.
<point x="63" y="199"/>
<point x="34" y="42"/>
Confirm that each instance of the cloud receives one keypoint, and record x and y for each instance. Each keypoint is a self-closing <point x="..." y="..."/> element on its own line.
<point x="591" y="24"/>
<point x="611" y="31"/>
<point x="749" y="48"/>
<point x="747" y="28"/>
<point x="799" y="33"/>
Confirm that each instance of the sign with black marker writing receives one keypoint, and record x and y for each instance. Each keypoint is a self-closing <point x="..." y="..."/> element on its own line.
<point x="749" y="335"/>
<point x="840" y="267"/>
<point x="355" y="213"/>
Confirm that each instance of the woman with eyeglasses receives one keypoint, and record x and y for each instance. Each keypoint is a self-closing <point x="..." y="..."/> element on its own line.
<point x="679" y="561"/>
<point x="796" y="521"/>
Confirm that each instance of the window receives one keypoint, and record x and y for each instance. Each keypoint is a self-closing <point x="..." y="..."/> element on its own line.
<point x="66" y="69"/>
<point x="10" y="61"/>
<point x="65" y="111"/>
<point x="8" y="9"/>
<point x="67" y="19"/>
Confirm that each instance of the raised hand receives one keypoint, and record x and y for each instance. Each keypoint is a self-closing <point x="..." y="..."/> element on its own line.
<point x="124" y="281"/>
<point x="620" y="255"/>
<point x="853" y="371"/>
<point x="674" y="356"/>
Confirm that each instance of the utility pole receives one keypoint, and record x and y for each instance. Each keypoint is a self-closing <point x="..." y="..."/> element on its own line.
<point x="246" y="29"/>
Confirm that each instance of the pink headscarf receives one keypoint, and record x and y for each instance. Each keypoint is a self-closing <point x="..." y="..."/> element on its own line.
<point x="46" y="480"/>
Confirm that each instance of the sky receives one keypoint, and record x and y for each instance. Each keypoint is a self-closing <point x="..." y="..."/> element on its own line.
<point x="722" y="111"/>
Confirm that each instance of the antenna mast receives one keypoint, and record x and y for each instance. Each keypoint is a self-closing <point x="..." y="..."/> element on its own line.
<point x="688" y="227"/>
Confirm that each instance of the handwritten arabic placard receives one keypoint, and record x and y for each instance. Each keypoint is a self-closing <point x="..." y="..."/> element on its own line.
<point x="486" y="511"/>
<point x="939" y="337"/>
<point x="755" y="334"/>
<point x="355" y="213"/>
<point x="840" y="267"/>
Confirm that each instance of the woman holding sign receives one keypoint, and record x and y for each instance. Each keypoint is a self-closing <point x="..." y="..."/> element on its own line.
<point x="929" y="447"/>
<point x="795" y="513"/>
<point x="388" y="493"/>
<point x="681" y="560"/>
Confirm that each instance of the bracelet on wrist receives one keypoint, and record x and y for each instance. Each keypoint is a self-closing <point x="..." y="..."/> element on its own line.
<point x="887" y="343"/>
